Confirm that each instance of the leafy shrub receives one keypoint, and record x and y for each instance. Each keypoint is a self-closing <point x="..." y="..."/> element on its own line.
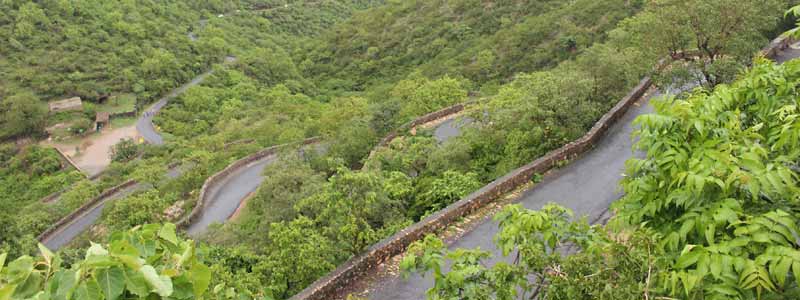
<point x="146" y="262"/>
<point x="81" y="126"/>
<point x="125" y="150"/>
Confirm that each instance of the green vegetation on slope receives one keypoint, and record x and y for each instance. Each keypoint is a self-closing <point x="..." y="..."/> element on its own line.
<point x="29" y="172"/>
<point x="356" y="82"/>
<point x="711" y="212"/>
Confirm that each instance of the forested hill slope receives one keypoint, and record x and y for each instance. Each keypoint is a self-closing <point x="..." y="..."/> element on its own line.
<point x="483" y="41"/>
<point x="59" y="49"/>
<point x="304" y="17"/>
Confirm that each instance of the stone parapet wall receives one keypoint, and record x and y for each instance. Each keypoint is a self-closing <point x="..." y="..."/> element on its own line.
<point x="84" y="208"/>
<point x="442" y="113"/>
<point x="215" y="179"/>
<point x="70" y="161"/>
<point x="328" y="286"/>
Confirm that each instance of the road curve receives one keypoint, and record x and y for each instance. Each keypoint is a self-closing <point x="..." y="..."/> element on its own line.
<point x="587" y="185"/>
<point x="576" y="186"/>
<point x="71" y="230"/>
<point x="225" y="198"/>
<point x="145" y="123"/>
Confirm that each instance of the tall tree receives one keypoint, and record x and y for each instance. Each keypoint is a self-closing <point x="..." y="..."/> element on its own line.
<point x="722" y="34"/>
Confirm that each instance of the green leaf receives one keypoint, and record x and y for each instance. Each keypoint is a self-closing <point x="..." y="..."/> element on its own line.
<point x="689" y="281"/>
<point x="136" y="284"/>
<point x="66" y="284"/>
<point x="100" y="261"/>
<point x="201" y="278"/>
<point x="716" y="266"/>
<point x="89" y="290"/>
<point x="96" y="250"/>
<point x="19" y="269"/>
<point x="167" y="233"/>
<point x="2" y="260"/>
<point x="161" y="285"/>
<point x="46" y="253"/>
<point x="687" y="259"/>
<point x="132" y="262"/>
<point x="30" y="287"/>
<point x="6" y="291"/>
<point x="111" y="281"/>
<point x="183" y="288"/>
<point x="781" y="269"/>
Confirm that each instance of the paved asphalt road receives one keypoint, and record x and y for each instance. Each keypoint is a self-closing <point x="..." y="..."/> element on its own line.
<point x="226" y="197"/>
<point x="450" y="128"/>
<point x="71" y="230"/>
<point x="576" y="186"/>
<point x="587" y="186"/>
<point x="145" y="123"/>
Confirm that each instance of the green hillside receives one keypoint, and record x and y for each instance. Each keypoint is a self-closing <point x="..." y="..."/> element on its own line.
<point x="720" y="166"/>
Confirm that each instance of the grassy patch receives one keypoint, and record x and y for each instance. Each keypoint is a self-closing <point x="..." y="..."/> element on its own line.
<point x="118" y="104"/>
<point x="122" y="122"/>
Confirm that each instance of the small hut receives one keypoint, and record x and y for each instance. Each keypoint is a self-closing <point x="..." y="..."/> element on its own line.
<point x="73" y="103"/>
<point x="101" y="120"/>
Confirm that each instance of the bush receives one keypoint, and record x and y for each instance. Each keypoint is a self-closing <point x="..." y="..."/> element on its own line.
<point x="80" y="126"/>
<point x="131" y="266"/>
<point x="125" y="150"/>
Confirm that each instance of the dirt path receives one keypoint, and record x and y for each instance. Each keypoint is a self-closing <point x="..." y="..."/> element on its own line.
<point x="93" y="153"/>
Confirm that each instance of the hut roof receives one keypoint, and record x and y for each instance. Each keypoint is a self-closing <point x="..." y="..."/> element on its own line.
<point x="73" y="103"/>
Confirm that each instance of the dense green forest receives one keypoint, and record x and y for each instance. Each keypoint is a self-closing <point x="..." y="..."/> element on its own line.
<point x="541" y="73"/>
<point x="32" y="172"/>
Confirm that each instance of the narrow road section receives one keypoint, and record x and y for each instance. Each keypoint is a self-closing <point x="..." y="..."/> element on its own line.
<point x="70" y="231"/>
<point x="145" y="123"/>
<point x="588" y="186"/>
<point x="450" y="128"/>
<point x="225" y="197"/>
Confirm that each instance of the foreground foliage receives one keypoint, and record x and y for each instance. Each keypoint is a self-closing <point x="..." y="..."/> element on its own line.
<point x="145" y="262"/>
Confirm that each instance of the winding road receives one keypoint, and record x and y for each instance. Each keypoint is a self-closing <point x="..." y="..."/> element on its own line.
<point x="588" y="186"/>
<point x="226" y="197"/>
<point x="145" y="123"/>
<point x="65" y="234"/>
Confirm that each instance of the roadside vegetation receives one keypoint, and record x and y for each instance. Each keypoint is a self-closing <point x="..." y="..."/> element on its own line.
<point x="709" y="213"/>
<point x="541" y="73"/>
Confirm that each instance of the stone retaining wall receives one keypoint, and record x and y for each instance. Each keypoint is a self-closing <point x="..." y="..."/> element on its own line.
<point x="329" y="286"/>
<point x="444" y="112"/>
<point x="69" y="160"/>
<point x="53" y="196"/>
<point x="238" y="142"/>
<point x="85" y="207"/>
<point x="776" y="45"/>
<point x="235" y="166"/>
